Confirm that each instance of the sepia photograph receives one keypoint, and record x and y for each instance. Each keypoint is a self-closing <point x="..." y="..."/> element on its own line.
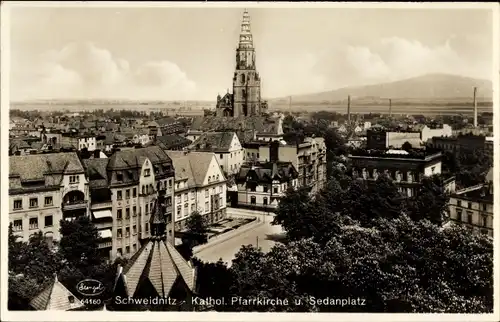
<point x="248" y="158"/>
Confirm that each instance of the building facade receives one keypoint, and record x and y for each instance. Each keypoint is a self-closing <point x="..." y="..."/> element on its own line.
<point x="308" y="158"/>
<point x="124" y="188"/>
<point x="200" y="186"/>
<point x="226" y="146"/>
<point x="262" y="185"/>
<point x="406" y="169"/>
<point x="43" y="189"/>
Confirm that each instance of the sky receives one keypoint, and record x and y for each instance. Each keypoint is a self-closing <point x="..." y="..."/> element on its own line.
<point x="189" y="53"/>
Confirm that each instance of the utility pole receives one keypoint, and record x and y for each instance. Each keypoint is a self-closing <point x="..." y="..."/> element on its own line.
<point x="257" y="241"/>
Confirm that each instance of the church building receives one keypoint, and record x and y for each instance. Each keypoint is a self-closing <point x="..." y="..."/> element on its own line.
<point x="246" y="97"/>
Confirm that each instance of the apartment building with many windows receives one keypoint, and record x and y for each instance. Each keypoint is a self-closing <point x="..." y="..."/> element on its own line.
<point x="124" y="189"/>
<point x="200" y="186"/>
<point x="43" y="189"/>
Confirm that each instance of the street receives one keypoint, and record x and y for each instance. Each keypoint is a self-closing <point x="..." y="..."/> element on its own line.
<point x="262" y="234"/>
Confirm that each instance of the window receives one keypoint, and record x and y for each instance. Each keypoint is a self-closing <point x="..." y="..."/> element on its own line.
<point x="18" y="225"/>
<point x="71" y="299"/>
<point x="221" y="156"/>
<point x="469" y="205"/>
<point x="127" y="232"/>
<point x="186" y="209"/>
<point x="127" y="249"/>
<point x="222" y="168"/>
<point x="119" y="233"/>
<point x="48" y="201"/>
<point x="206" y="193"/>
<point x="127" y="213"/>
<point x="134" y="247"/>
<point x="252" y="188"/>
<point x="147" y="227"/>
<point x="134" y="211"/>
<point x="147" y="208"/>
<point x="73" y="179"/>
<point x="192" y="207"/>
<point x="147" y="172"/>
<point x="119" y="252"/>
<point x="127" y="194"/>
<point x="459" y="214"/>
<point x="119" y="214"/>
<point x="206" y="206"/>
<point x="265" y="201"/>
<point x="34" y="223"/>
<point x="258" y="155"/>
<point x="220" y="189"/>
<point x="185" y="196"/>
<point x="217" y="177"/>
<point x="170" y="183"/>
<point x="119" y="176"/>
<point x="209" y="178"/>
<point x="143" y="190"/>
<point x="484" y="207"/>
<point x="485" y="221"/>
<point x="459" y="203"/>
<point x="18" y="204"/>
<point x="33" y="202"/>
<point x="48" y="221"/>
<point x="220" y="202"/>
<point x="178" y="211"/>
<point x="266" y="189"/>
<point x="275" y="189"/>
<point x="253" y="201"/>
<point x="134" y="192"/>
<point x="469" y="217"/>
<point x="119" y="195"/>
<point x="192" y="195"/>
<point x="134" y="229"/>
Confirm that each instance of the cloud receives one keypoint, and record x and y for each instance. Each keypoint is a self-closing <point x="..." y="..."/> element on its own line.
<point x="388" y="59"/>
<point x="83" y="70"/>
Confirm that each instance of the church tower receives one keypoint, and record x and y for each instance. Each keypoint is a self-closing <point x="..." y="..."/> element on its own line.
<point x="246" y="80"/>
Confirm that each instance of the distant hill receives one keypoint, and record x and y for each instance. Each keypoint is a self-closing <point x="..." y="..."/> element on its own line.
<point x="426" y="88"/>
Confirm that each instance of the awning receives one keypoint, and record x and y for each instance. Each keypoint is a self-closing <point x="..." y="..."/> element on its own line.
<point x="105" y="233"/>
<point x="98" y="214"/>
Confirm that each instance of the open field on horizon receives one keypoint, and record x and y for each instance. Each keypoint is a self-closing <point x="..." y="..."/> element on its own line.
<point x="298" y="107"/>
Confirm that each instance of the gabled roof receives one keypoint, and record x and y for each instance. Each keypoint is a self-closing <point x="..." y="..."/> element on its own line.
<point x="55" y="297"/>
<point x="159" y="263"/>
<point x="214" y="141"/>
<point x="49" y="168"/>
<point x="281" y="171"/>
<point x="192" y="166"/>
<point x="172" y="141"/>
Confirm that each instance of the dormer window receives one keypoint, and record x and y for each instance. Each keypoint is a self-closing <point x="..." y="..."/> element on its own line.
<point x="147" y="172"/>
<point x="119" y="176"/>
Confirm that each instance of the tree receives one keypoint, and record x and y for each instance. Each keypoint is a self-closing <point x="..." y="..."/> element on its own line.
<point x="214" y="280"/>
<point x="430" y="202"/>
<point x="397" y="266"/>
<point x="406" y="146"/>
<point x="79" y="243"/>
<point x="196" y="224"/>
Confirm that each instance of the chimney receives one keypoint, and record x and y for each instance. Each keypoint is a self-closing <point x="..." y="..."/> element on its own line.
<point x="273" y="151"/>
<point x="349" y="109"/>
<point x="475" y="107"/>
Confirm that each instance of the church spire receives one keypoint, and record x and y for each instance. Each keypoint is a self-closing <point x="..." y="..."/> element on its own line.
<point x="157" y="220"/>
<point x="246" y="40"/>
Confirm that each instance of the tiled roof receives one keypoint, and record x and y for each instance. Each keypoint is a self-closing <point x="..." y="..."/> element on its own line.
<point x="49" y="168"/>
<point x="191" y="165"/>
<point x="213" y="141"/>
<point x="282" y="171"/>
<point x="159" y="263"/>
<point x="55" y="297"/>
<point x="239" y="125"/>
<point x="96" y="172"/>
<point x="172" y="141"/>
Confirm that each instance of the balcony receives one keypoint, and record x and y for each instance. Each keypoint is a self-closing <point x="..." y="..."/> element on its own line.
<point x="106" y="244"/>
<point x="101" y="205"/>
<point x="75" y="205"/>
